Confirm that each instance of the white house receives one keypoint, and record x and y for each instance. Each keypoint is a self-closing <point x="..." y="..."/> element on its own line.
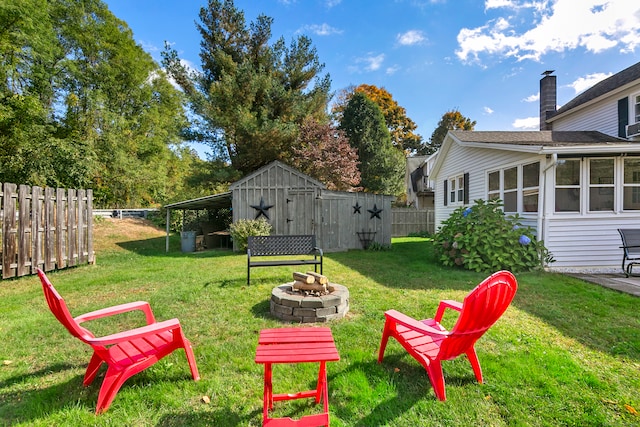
<point x="418" y="181"/>
<point x="576" y="181"/>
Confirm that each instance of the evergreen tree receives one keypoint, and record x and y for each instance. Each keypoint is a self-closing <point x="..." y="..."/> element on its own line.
<point x="381" y="164"/>
<point x="251" y="97"/>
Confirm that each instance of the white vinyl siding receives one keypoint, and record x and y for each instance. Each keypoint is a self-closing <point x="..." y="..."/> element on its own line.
<point x="586" y="242"/>
<point x="476" y="162"/>
<point x="601" y="116"/>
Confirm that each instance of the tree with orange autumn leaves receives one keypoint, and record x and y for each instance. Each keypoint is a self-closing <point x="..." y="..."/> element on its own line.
<point x="401" y="127"/>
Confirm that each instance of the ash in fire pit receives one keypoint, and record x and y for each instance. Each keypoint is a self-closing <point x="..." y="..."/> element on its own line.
<point x="309" y="298"/>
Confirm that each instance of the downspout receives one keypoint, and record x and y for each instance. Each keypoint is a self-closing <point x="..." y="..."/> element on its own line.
<point x="542" y="219"/>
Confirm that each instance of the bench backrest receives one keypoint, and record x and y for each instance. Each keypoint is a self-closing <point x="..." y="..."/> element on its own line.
<point x="281" y="245"/>
<point x="630" y="240"/>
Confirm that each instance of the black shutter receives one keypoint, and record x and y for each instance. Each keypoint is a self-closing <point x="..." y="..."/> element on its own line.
<point x="623" y="117"/>
<point x="466" y="188"/>
<point x="446" y="192"/>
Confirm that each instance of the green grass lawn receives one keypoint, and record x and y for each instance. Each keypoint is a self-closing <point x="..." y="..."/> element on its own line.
<point x="566" y="353"/>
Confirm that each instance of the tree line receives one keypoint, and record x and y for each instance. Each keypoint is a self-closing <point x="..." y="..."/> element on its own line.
<point x="82" y="105"/>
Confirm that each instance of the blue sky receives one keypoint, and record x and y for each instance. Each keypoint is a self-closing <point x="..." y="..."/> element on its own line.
<point x="484" y="58"/>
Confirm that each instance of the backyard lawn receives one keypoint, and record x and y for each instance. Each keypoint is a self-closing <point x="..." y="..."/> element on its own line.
<point x="566" y="352"/>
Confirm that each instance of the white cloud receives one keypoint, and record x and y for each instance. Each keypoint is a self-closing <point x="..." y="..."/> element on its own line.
<point x="321" y="30"/>
<point x="332" y="3"/>
<point x="371" y="62"/>
<point x="487" y="110"/>
<point x="558" y="26"/>
<point x="496" y="4"/>
<point x="529" y="123"/>
<point x="393" y="69"/>
<point x="584" y="83"/>
<point x="411" y="37"/>
<point x="532" y="98"/>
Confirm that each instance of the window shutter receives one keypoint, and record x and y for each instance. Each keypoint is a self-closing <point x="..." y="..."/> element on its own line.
<point x="623" y="117"/>
<point x="446" y="192"/>
<point x="466" y="188"/>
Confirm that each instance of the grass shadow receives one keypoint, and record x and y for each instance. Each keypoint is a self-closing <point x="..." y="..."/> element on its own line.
<point x="408" y="382"/>
<point x="18" y="406"/>
<point x="580" y="310"/>
<point x="156" y="246"/>
<point x="221" y="417"/>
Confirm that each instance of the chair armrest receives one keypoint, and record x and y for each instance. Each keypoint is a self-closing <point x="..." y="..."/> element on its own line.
<point x="118" y="309"/>
<point x="413" y="324"/>
<point x="444" y="304"/>
<point x="140" y="332"/>
<point x="317" y="249"/>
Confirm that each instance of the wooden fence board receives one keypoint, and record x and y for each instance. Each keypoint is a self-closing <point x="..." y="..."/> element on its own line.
<point x="405" y="221"/>
<point x="44" y="228"/>
<point x="9" y="246"/>
<point x="49" y="230"/>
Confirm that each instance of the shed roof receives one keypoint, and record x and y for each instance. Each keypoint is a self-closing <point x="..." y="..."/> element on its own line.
<point x="215" y="201"/>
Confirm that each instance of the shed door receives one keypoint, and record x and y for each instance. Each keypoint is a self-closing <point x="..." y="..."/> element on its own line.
<point x="301" y="207"/>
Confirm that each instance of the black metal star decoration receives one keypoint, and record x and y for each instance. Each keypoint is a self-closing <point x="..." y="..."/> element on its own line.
<point x="356" y="208"/>
<point x="262" y="209"/>
<point x="375" y="212"/>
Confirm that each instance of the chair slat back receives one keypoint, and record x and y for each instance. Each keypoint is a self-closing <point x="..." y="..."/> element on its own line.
<point x="59" y="309"/>
<point x="481" y="308"/>
<point x="630" y="241"/>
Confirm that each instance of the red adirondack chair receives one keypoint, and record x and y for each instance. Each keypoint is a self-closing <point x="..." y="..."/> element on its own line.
<point x="430" y="343"/>
<point x="125" y="353"/>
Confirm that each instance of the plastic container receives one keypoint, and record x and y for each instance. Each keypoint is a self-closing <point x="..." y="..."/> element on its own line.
<point x="188" y="241"/>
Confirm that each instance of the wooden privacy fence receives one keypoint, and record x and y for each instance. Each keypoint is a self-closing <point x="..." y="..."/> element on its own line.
<point x="406" y="221"/>
<point x="44" y="228"/>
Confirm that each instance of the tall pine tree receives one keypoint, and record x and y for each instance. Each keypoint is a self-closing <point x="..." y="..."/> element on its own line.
<point x="381" y="164"/>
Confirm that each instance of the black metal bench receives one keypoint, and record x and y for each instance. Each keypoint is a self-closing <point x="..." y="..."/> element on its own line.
<point x="631" y="248"/>
<point x="275" y="246"/>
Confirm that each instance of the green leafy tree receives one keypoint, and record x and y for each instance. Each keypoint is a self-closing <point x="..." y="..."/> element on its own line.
<point x="82" y="105"/>
<point x="401" y="127"/>
<point x="381" y="164"/>
<point x="451" y="120"/>
<point x="251" y="97"/>
<point x="324" y="153"/>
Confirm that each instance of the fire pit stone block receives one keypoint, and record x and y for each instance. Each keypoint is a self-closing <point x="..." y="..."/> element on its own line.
<point x="293" y="306"/>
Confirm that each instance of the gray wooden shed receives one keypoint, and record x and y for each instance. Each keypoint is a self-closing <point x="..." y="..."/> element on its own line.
<point x="295" y="203"/>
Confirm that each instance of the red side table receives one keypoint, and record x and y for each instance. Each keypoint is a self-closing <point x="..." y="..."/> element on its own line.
<point x="296" y="345"/>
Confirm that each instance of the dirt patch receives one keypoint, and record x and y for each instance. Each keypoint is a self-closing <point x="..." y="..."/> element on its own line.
<point x="108" y="232"/>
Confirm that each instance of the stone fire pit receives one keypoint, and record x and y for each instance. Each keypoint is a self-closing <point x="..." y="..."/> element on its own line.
<point x="294" y="306"/>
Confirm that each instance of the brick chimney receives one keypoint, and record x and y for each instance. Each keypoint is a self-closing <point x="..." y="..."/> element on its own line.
<point x="547" y="98"/>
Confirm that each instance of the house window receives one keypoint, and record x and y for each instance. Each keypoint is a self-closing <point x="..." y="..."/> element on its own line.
<point x="514" y="183"/>
<point x="494" y="185"/>
<point x="511" y="190"/>
<point x="631" y="192"/>
<point x="568" y="186"/>
<point x="456" y="189"/>
<point x="530" y="187"/>
<point x="636" y="108"/>
<point x="601" y="185"/>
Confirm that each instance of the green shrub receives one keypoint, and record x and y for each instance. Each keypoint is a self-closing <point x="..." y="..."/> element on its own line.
<point x="482" y="238"/>
<point x="243" y="228"/>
